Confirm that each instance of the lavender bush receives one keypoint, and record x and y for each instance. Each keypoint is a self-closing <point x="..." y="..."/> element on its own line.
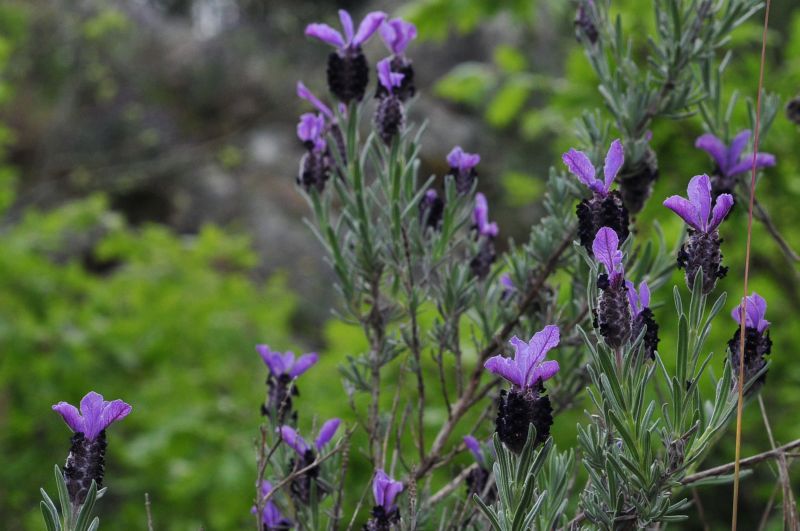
<point x="502" y="343"/>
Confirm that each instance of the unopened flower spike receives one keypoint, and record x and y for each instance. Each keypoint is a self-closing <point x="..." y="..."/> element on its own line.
<point x="525" y="403"/>
<point x="307" y="454"/>
<point x="86" y="460"/>
<point x="389" y="115"/>
<point x="385" y="513"/>
<point x="478" y="477"/>
<point x="605" y="208"/>
<point x="348" y="72"/>
<point x="317" y="163"/>
<point x="702" y="248"/>
<point x="642" y="316"/>
<point x="462" y="168"/>
<point x="271" y="517"/>
<point x="730" y="161"/>
<point x="585" y="27"/>
<point x="757" y="343"/>
<point x="431" y="209"/>
<point x="613" y="313"/>
<point x="636" y="177"/>
<point x="283" y="369"/>
<point x="480" y="217"/>
<point x="396" y="35"/>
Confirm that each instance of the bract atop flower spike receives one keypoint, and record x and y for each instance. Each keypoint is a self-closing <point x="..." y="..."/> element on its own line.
<point x="389" y="115"/>
<point x="283" y="369"/>
<point x="605" y="208"/>
<point x="613" y="314"/>
<point x="636" y="177"/>
<point x="478" y="478"/>
<point x="729" y="160"/>
<point x="480" y="217"/>
<point x="481" y="263"/>
<point x="525" y="404"/>
<point x="397" y="34"/>
<point x="385" y="513"/>
<point x="311" y="130"/>
<point x="86" y="460"/>
<point x="348" y="72"/>
<point x="301" y="486"/>
<point x="702" y="248"/>
<point x="271" y="517"/>
<point x="642" y="316"/>
<point x="462" y="168"/>
<point x="431" y="209"/>
<point x="757" y="343"/>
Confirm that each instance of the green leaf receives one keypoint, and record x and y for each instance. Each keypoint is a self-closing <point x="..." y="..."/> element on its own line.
<point x="63" y="496"/>
<point x="82" y="524"/>
<point x="507" y="103"/>
<point x="509" y="59"/>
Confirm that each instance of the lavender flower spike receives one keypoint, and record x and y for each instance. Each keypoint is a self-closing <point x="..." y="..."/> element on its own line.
<point x="389" y="115"/>
<point x="702" y="249"/>
<point x="579" y="165"/>
<point x="397" y="34"/>
<point x="271" y="517"/>
<point x="462" y="168"/>
<point x="285" y="364"/>
<point x="95" y="414"/>
<point x="642" y="317"/>
<point x="729" y="159"/>
<point x="613" y="315"/>
<point x="480" y="216"/>
<point x="387" y="78"/>
<point x="385" y="490"/>
<point x="755" y="310"/>
<point x="310" y="130"/>
<point x="528" y="368"/>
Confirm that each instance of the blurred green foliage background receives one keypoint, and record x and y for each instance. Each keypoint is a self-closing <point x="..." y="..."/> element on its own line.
<point x="150" y="235"/>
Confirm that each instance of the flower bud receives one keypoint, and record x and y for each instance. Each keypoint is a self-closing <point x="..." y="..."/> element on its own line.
<point x="517" y="409"/>
<point x="86" y="462"/>
<point x="348" y="74"/>
<point x="636" y="182"/>
<point x="601" y="211"/>
<point x="389" y="118"/>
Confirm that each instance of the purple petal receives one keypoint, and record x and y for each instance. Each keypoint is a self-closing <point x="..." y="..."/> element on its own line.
<point x="543" y="341"/>
<point x="480" y="214"/>
<point x="606" y="249"/>
<point x="387" y="78"/>
<point x="293" y="439"/>
<point x="763" y="160"/>
<point x="633" y="297"/>
<point x="463" y="161"/>
<point x="327" y="432"/>
<point x="92" y="412"/>
<point x="644" y="294"/>
<point x="544" y="371"/>
<point x="699" y="192"/>
<point x="614" y="160"/>
<point x="579" y="165"/>
<point x="397" y="34"/>
<point x="474" y="446"/>
<point x="347" y="25"/>
<point x="505" y="367"/>
<point x="114" y="411"/>
<point x="70" y="415"/>
<point x="368" y="26"/>
<point x="392" y="489"/>
<point x="310" y="127"/>
<point x="506" y="282"/>
<point x="735" y="150"/>
<point x="714" y="147"/>
<point x="304" y="93"/>
<point x="303" y="363"/>
<point x="684" y="209"/>
<point x="721" y="208"/>
<point x="326" y="34"/>
<point x="757" y="310"/>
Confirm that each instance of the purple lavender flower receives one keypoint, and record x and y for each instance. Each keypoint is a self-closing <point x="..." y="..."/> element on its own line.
<point x="271" y="517"/>
<point x="642" y="317"/>
<point x="525" y="403"/>
<point x="478" y="478"/>
<point x="307" y="455"/>
<point x="613" y="314"/>
<point x="474" y="447"/>
<point x="637" y="176"/>
<point x="585" y="27"/>
<point x="757" y="343"/>
<point x="389" y="115"/>
<point x="509" y="289"/>
<point x="702" y="249"/>
<point x="86" y="460"/>
<point x="293" y="439"/>
<point x="397" y="34"/>
<point x="348" y="73"/>
<point x="283" y="369"/>
<point x="431" y="210"/>
<point x="605" y="208"/>
<point x="729" y="160"/>
<point x="462" y="168"/>
<point x="385" y="513"/>
<point x="311" y="130"/>
<point x="480" y="217"/>
<point x="316" y="166"/>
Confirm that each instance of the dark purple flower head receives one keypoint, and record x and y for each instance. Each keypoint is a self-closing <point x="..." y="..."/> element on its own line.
<point x="351" y="40"/>
<point x="280" y="364"/>
<point x="397" y="34"/>
<point x="475" y="447"/>
<point x="311" y="131"/>
<point x="729" y="159"/>
<point x="95" y="415"/>
<point x="755" y="311"/>
<point x="480" y="216"/>
<point x="299" y="445"/>
<point x="390" y="80"/>
<point x="271" y="516"/>
<point x="638" y="300"/>
<point x="528" y="368"/>
<point x="385" y="490"/>
<point x="696" y="211"/>
<point x="304" y="93"/>
<point x="579" y="165"/>
<point x="606" y="251"/>
<point x="461" y="160"/>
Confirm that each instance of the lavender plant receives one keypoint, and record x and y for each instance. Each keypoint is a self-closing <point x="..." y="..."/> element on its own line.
<point x="418" y="272"/>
